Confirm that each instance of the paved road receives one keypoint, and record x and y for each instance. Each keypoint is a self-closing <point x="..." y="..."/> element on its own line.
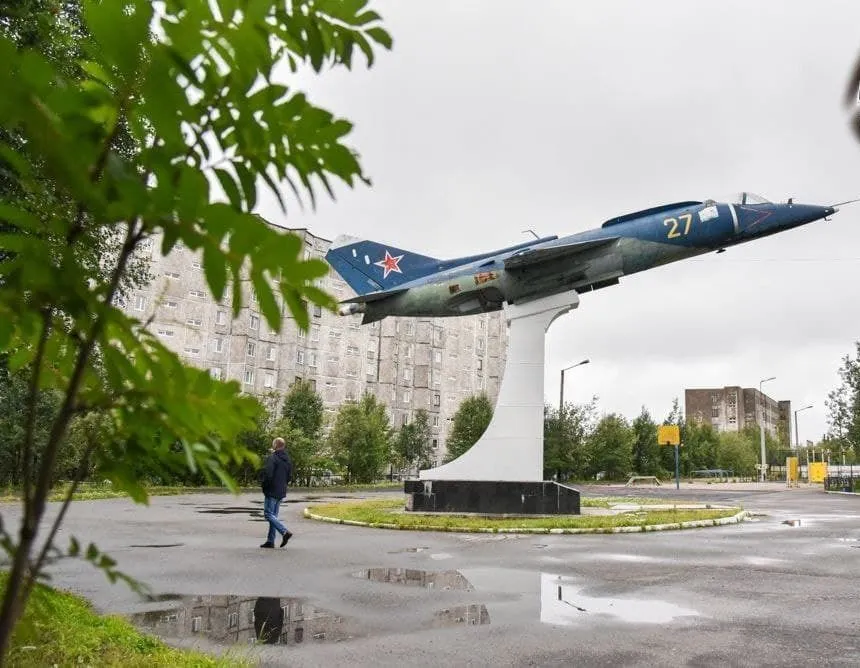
<point x="757" y="594"/>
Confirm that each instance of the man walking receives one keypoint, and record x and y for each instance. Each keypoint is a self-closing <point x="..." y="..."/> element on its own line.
<point x="274" y="478"/>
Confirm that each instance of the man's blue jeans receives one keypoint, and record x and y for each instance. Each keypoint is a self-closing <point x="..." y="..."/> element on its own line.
<point x="271" y="505"/>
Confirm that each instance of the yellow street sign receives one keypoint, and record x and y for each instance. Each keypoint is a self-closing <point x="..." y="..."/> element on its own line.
<point x="668" y="434"/>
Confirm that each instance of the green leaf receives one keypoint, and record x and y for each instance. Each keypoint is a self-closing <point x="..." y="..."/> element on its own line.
<point x="215" y="269"/>
<point x="380" y="36"/>
<point x="268" y="304"/>
<point x="249" y="184"/>
<point x="229" y="186"/>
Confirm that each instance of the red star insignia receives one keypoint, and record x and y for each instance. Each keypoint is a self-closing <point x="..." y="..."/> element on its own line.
<point x="389" y="264"/>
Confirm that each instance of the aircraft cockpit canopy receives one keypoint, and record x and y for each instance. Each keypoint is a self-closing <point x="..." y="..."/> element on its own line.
<point x="751" y="198"/>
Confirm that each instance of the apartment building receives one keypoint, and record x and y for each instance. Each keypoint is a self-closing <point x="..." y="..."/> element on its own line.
<point x="408" y="363"/>
<point x="732" y="408"/>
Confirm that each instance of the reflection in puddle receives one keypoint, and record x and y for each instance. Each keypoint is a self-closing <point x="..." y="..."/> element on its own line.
<point x="238" y="619"/>
<point x="467" y="615"/>
<point x="410" y="549"/>
<point x="417" y="578"/>
<point x="562" y="603"/>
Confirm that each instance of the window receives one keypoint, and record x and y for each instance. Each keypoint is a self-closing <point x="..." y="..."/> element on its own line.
<point x="436" y="399"/>
<point x="165" y="332"/>
<point x="407" y="396"/>
<point x="193" y="352"/>
<point x="408" y="351"/>
<point x="232" y="620"/>
<point x="196" y="293"/>
<point x="410" y="328"/>
<point x="171" y="304"/>
<point x="334" y="333"/>
<point x="317" y="311"/>
<point x="312" y="360"/>
<point x="146" y="244"/>
<point x="481" y="324"/>
<point x="715" y="412"/>
<point x="300" y="357"/>
<point x="196" y="264"/>
<point x="221" y="318"/>
<point x="352" y="350"/>
<point x="270" y="354"/>
<point x="249" y="376"/>
<point x="480" y="364"/>
<point x="255" y="322"/>
<point x="252" y="349"/>
<point x="351" y="373"/>
<point x="315" y="332"/>
<point x="437" y="356"/>
<point x="140" y="303"/>
<point x="269" y="381"/>
<point x="435" y="420"/>
<point x="172" y="274"/>
<point x="194" y="322"/>
<point x="407" y="374"/>
<point x="404" y="419"/>
<point x="435" y="443"/>
<point x="196" y="622"/>
<point x="218" y="345"/>
<point x="313" y="384"/>
<point x="370" y="370"/>
<point x="253" y="296"/>
<point x="301" y="333"/>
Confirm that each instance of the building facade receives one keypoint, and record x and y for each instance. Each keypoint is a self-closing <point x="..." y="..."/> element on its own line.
<point x="733" y="408"/>
<point x="407" y="363"/>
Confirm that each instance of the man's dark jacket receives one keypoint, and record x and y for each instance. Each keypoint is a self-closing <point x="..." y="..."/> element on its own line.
<point x="276" y="474"/>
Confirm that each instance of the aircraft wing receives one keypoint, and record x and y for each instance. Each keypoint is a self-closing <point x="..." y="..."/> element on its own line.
<point x="528" y="258"/>
<point x="373" y="296"/>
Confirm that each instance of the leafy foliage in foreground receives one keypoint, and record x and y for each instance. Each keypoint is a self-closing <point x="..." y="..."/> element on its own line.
<point x="196" y="88"/>
<point x="60" y="629"/>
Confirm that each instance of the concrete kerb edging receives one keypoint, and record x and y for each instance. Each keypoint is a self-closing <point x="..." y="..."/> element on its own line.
<point x="692" y="524"/>
<point x="834" y="491"/>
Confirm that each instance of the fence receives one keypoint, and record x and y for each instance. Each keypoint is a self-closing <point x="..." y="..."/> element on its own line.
<point x="843" y="479"/>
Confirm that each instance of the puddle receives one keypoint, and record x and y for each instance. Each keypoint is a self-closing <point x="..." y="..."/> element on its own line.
<point x="410" y="549"/>
<point x="237" y="619"/>
<point x="159" y="545"/>
<point x="467" y="615"/>
<point x="412" y="577"/>
<point x="562" y="603"/>
<point x="438" y="556"/>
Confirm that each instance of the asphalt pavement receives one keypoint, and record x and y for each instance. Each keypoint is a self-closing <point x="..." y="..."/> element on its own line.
<point x="770" y="591"/>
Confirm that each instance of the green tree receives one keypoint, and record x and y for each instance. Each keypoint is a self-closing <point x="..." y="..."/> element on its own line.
<point x="701" y="442"/>
<point x="209" y="123"/>
<point x="412" y="445"/>
<point x="737" y="452"/>
<point x="565" y="437"/>
<point x="470" y="422"/>
<point x="843" y="406"/>
<point x="303" y="407"/>
<point x="611" y="447"/>
<point x="360" y="439"/>
<point x="646" y="450"/>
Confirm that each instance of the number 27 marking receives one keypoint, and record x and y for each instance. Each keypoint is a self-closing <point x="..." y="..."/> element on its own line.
<point x="674" y="233"/>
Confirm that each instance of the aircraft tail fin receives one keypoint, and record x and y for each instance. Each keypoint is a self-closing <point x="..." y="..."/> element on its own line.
<point x="368" y="266"/>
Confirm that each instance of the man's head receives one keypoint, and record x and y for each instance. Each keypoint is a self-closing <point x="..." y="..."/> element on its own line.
<point x="278" y="444"/>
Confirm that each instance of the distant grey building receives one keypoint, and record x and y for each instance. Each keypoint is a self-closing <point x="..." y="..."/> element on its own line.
<point x="408" y="363"/>
<point x="732" y="408"/>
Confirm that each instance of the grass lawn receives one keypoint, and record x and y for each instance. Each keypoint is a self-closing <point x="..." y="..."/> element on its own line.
<point x="388" y="513"/>
<point x="59" y="629"/>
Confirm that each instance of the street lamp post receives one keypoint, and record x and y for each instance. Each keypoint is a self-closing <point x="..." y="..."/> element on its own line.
<point x="796" y="437"/>
<point x="561" y="391"/>
<point x="761" y="428"/>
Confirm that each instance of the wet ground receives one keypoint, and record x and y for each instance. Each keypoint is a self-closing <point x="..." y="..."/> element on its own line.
<point x="781" y="589"/>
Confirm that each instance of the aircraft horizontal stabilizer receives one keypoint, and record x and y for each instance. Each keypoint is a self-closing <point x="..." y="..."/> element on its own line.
<point x="535" y="256"/>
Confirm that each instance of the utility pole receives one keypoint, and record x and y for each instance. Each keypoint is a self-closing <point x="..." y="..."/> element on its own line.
<point x="761" y="429"/>
<point x="561" y="391"/>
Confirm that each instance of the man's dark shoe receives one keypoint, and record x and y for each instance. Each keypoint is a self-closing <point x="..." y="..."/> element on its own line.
<point x="267" y="544"/>
<point x="286" y="537"/>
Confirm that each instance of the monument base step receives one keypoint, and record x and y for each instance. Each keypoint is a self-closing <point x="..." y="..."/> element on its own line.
<point x="491" y="497"/>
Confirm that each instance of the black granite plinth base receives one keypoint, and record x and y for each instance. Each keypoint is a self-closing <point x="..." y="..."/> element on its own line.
<point x="490" y="497"/>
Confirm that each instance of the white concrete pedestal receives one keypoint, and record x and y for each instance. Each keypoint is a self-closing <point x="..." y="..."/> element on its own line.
<point x="512" y="447"/>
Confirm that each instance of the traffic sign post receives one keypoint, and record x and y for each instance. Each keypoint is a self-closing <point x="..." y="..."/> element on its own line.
<point x="670" y="434"/>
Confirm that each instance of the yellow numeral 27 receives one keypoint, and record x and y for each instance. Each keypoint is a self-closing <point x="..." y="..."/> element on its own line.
<point x="673" y="233"/>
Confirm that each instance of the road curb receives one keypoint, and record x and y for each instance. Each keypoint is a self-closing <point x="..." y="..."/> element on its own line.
<point x="692" y="524"/>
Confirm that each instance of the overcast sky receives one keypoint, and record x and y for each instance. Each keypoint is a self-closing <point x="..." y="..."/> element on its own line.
<point x="489" y="117"/>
